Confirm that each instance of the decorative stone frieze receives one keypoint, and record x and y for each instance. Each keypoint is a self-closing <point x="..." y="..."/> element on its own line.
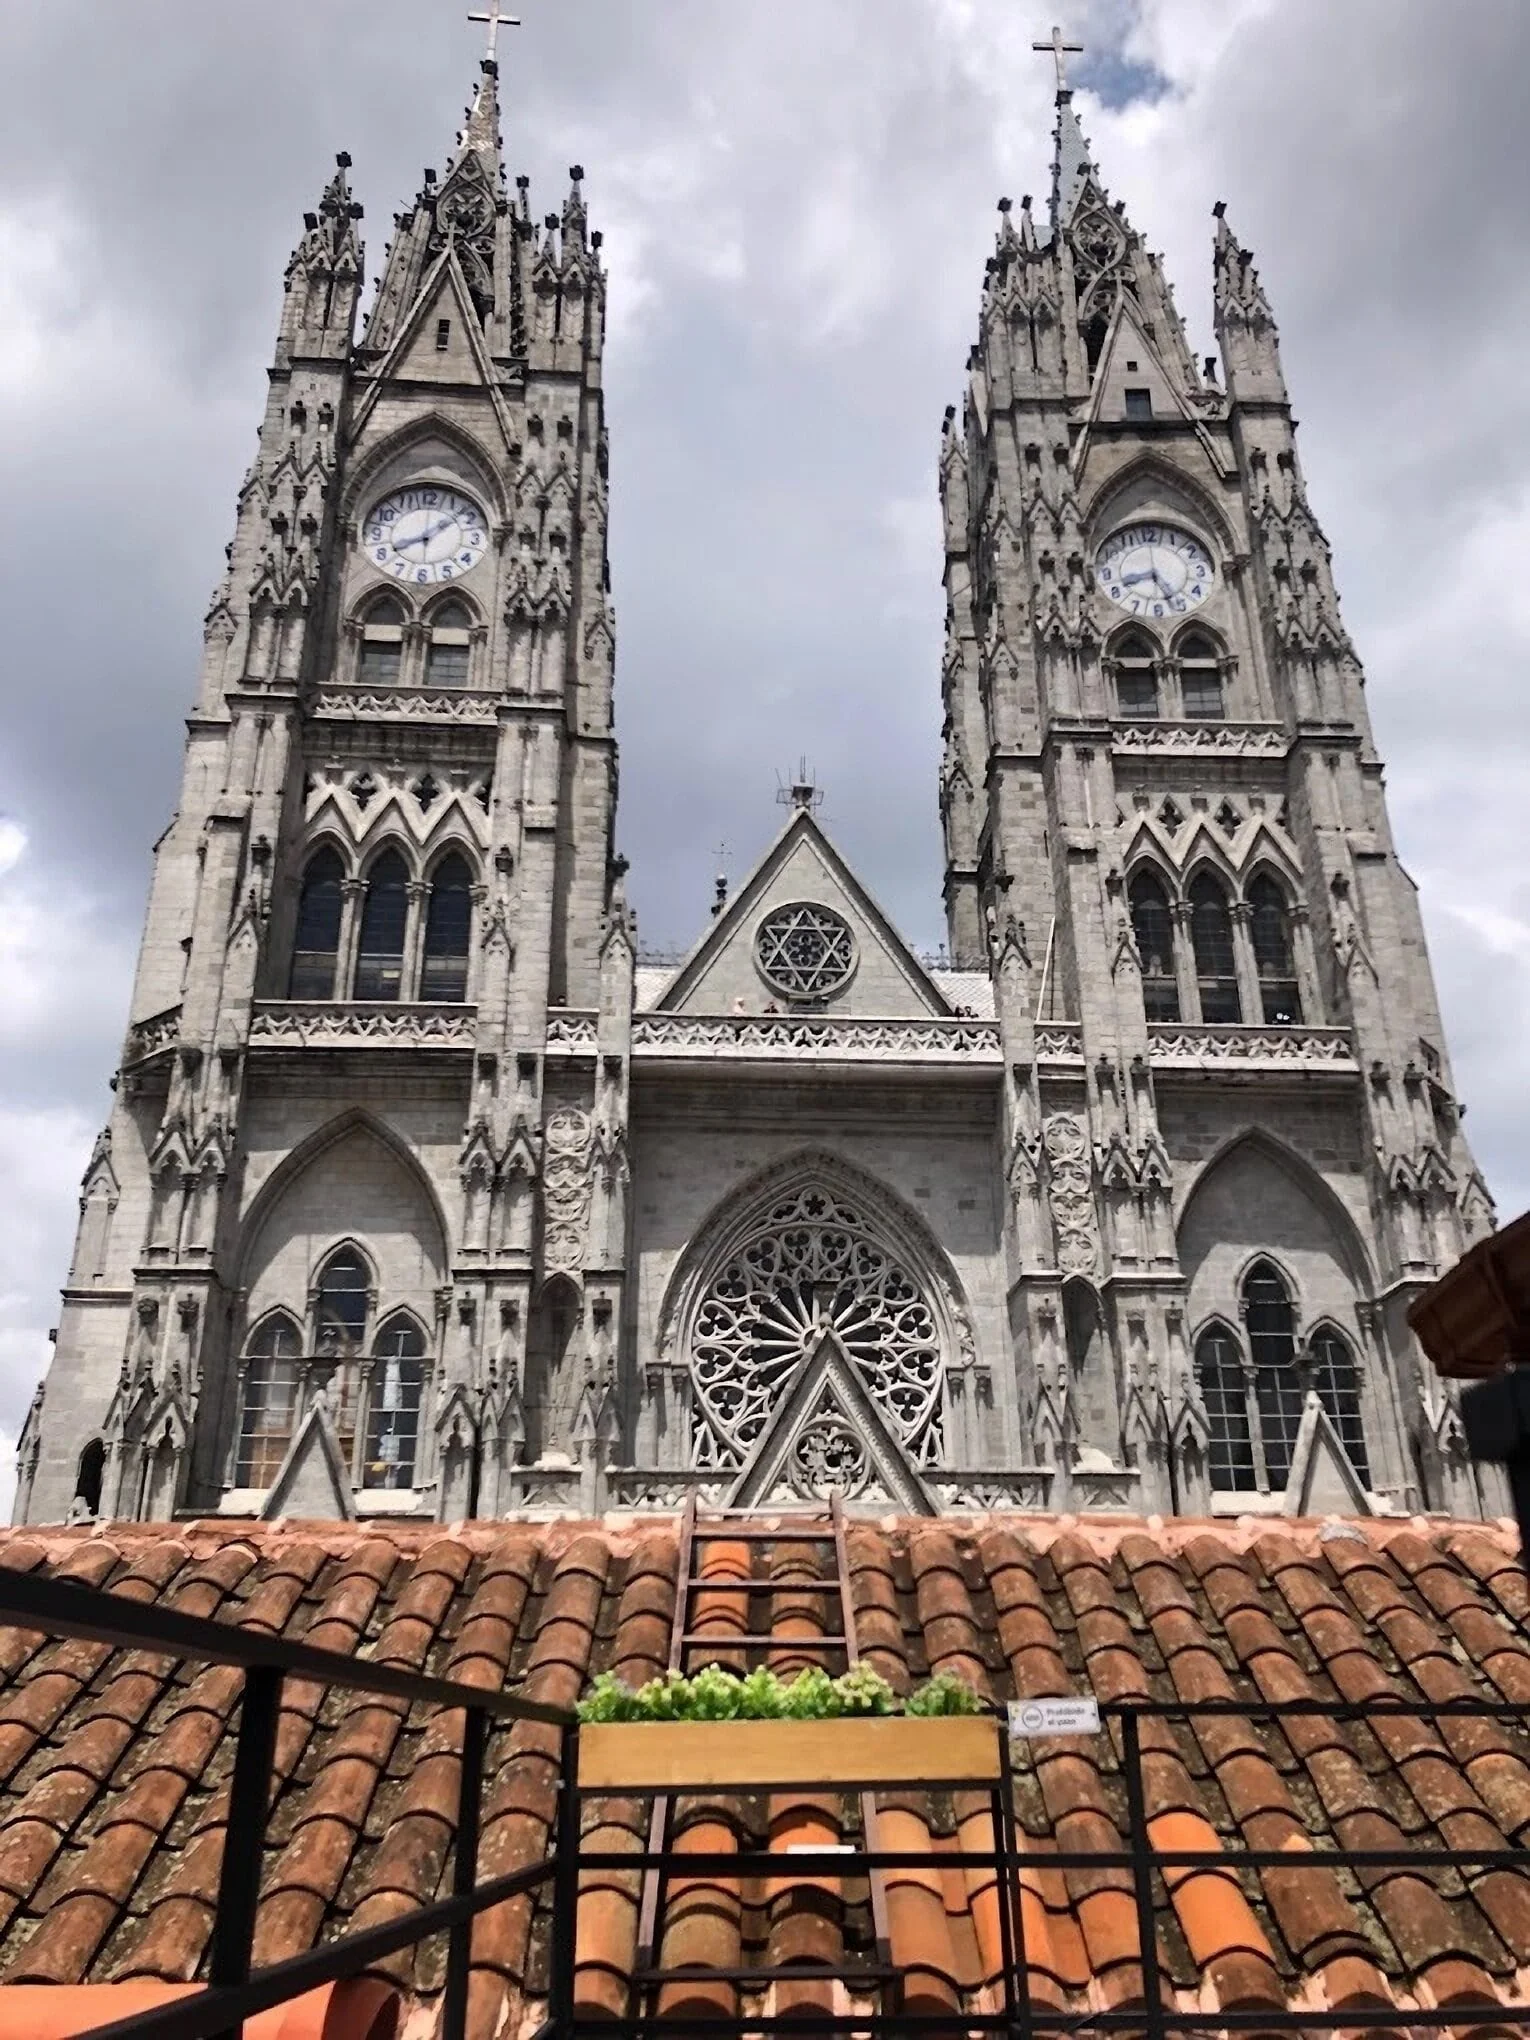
<point x="291" y="1024"/>
<point x="795" y="1037"/>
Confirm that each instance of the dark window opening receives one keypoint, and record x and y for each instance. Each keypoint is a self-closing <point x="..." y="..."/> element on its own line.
<point x="88" y="1476"/>
<point x="1272" y="954"/>
<point x="384" y="919"/>
<point x="1153" y="933"/>
<point x="382" y="644"/>
<point x="448" y="933"/>
<point x="1201" y="679"/>
<point x="1136" y="680"/>
<point x="316" y="948"/>
<point x="446" y="663"/>
<point x="1139" y="403"/>
<point x="1211" y="938"/>
<point x="443" y="335"/>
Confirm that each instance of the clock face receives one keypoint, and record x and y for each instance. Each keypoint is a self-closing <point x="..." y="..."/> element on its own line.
<point x="1154" y="570"/>
<point x="425" y="534"/>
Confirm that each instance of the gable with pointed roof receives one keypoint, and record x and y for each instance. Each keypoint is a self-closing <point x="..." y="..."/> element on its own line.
<point x="724" y="973"/>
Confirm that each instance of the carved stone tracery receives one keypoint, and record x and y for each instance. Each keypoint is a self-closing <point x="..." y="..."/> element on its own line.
<point x="566" y="1187"/>
<point x="811" y="1263"/>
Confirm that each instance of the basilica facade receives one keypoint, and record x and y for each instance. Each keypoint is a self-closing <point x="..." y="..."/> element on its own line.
<point x="423" y="1194"/>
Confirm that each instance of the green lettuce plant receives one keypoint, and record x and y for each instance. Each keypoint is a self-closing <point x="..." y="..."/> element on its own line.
<point x="714" y="1694"/>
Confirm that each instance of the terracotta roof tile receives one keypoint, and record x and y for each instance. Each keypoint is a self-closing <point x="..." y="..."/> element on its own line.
<point x="114" y="1768"/>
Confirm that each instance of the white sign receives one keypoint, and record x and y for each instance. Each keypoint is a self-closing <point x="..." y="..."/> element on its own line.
<point x="1055" y="1717"/>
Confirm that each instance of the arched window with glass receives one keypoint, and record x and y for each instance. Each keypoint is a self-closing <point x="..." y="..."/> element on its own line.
<point x="1224" y="1392"/>
<point x="1200" y="678"/>
<point x="1211" y="938"/>
<point x="1270" y="1320"/>
<point x="1153" y="933"/>
<point x="381" y="660"/>
<point x="1254" y="1410"/>
<point x="394" y="1389"/>
<point x="269" y="1408"/>
<point x="1270" y="929"/>
<point x="1337" y="1381"/>
<point x="448" y="932"/>
<point x="342" y="1300"/>
<point x="448" y="653"/>
<point x="316" y="943"/>
<point x="384" y="927"/>
<point x="342" y="1306"/>
<point x="1136" y="666"/>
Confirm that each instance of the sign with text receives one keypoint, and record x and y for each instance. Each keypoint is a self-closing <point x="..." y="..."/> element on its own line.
<point x="1071" y="1716"/>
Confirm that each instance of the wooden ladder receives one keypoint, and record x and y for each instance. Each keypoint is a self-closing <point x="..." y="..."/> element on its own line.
<point x="823" y="1525"/>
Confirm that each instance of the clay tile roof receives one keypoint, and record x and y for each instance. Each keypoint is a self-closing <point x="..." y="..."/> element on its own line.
<point x="114" y="1766"/>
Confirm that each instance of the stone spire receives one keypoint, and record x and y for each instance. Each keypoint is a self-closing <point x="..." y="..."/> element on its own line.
<point x="467" y="212"/>
<point x="323" y="279"/>
<point x="1245" y="325"/>
<point x="1072" y="164"/>
<point x="480" y="135"/>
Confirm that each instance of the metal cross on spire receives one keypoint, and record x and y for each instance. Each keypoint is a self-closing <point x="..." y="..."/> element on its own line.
<point x="1059" y="51"/>
<point x="496" y="21"/>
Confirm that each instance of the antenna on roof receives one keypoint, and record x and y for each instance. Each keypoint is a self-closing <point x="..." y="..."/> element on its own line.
<point x="803" y="792"/>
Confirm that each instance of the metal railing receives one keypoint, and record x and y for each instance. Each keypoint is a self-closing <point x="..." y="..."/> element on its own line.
<point x="235" y="1992"/>
<point x="1150" y="2015"/>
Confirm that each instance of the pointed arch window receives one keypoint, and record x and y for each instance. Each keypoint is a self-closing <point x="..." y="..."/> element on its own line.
<point x="1137" y="678"/>
<point x="1153" y="933"/>
<point x="88" y="1477"/>
<point x="1216" y="968"/>
<point x="382" y="644"/>
<point x="448" y="932"/>
<point x="1219" y="1371"/>
<point x="1200" y="678"/>
<point x="384" y="924"/>
<point x="341" y="1303"/>
<point x="1270" y="928"/>
<point x="269" y="1408"/>
<point x="1255" y="1410"/>
<point x="393" y="1404"/>
<point x="449" y="652"/>
<point x="1271" y="1325"/>
<point x="1337" y="1382"/>
<point x="316" y="945"/>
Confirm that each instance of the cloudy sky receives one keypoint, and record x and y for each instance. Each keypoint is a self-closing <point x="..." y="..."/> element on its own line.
<point x="797" y="197"/>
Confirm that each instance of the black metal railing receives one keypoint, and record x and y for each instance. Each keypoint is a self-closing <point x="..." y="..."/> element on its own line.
<point x="1151" y="2015"/>
<point x="235" y="1992"/>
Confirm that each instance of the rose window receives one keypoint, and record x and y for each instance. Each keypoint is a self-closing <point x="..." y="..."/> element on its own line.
<point x="805" y="951"/>
<point x="811" y="1265"/>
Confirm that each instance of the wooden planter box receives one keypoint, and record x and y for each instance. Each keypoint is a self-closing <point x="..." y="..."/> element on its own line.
<point x="853" y="1754"/>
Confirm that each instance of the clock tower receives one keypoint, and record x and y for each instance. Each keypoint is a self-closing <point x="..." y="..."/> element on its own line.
<point x="1231" y="1129"/>
<point x="332" y="1174"/>
<point x="421" y="1196"/>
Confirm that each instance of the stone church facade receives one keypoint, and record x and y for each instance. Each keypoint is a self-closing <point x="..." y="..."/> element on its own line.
<point x="422" y="1194"/>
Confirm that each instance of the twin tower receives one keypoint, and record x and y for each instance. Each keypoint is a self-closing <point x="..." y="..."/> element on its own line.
<point x="423" y="1194"/>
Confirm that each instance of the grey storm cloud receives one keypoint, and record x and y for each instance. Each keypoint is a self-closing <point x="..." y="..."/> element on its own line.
<point x="797" y="197"/>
